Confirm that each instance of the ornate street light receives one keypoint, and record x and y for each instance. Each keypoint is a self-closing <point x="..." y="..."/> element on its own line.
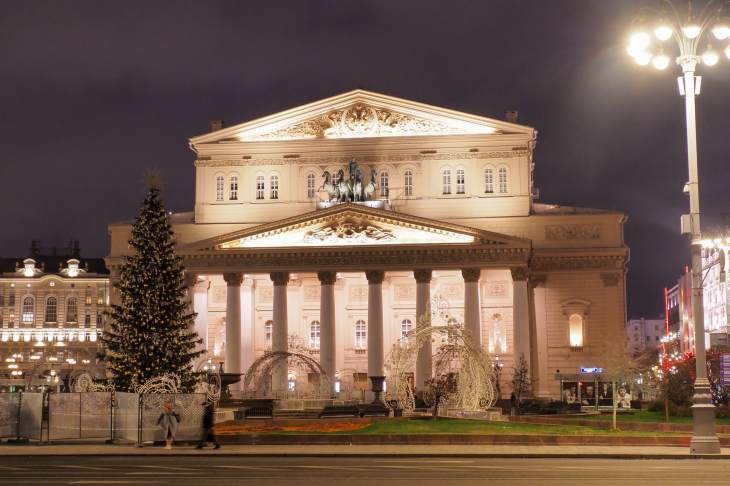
<point x="693" y="33"/>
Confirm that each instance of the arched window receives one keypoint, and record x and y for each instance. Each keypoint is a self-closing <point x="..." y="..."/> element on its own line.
<point x="446" y="180"/>
<point x="274" y="186"/>
<point x="311" y="184"/>
<point x="488" y="181"/>
<point x="406" y="325"/>
<point x="361" y="334"/>
<point x="384" y="183"/>
<point x="575" y="326"/>
<point x="268" y="329"/>
<point x="460" y="181"/>
<point x="28" y="315"/>
<point x="314" y="330"/>
<point x="220" y="187"/>
<point x="233" y="194"/>
<point x="408" y="183"/>
<point x="72" y="310"/>
<point x="259" y="187"/>
<point x="503" y="180"/>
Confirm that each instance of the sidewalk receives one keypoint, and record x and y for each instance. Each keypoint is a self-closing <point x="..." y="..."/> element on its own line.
<point x="506" y="451"/>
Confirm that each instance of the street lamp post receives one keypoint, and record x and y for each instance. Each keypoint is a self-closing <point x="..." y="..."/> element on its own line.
<point x="689" y="31"/>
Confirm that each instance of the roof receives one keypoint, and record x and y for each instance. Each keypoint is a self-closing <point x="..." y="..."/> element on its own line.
<point x="52" y="264"/>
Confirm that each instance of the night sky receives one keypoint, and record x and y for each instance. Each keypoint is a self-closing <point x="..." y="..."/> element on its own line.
<point x="93" y="93"/>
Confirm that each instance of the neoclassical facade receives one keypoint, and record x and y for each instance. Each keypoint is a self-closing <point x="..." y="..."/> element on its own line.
<point x="338" y="226"/>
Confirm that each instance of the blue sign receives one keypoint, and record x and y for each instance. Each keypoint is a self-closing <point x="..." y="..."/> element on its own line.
<point x="591" y="370"/>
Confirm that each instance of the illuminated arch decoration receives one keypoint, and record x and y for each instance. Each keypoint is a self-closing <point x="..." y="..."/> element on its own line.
<point x="254" y="381"/>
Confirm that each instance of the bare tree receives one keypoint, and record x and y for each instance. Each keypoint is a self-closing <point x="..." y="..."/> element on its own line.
<point x="619" y="366"/>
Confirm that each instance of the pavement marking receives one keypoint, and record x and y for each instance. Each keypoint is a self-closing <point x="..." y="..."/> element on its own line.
<point x="89" y="468"/>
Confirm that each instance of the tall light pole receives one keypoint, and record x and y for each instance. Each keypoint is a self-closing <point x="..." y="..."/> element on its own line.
<point x="690" y="30"/>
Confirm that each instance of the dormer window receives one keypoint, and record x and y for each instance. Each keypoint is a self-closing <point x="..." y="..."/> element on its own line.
<point x="73" y="268"/>
<point x="28" y="267"/>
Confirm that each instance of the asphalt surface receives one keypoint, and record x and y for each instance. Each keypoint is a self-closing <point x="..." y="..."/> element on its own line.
<point x="322" y="471"/>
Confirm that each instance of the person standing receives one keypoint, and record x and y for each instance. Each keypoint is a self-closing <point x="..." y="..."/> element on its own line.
<point x="168" y="421"/>
<point x="208" y="427"/>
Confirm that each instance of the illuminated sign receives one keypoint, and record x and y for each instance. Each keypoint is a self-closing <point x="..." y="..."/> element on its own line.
<point x="591" y="370"/>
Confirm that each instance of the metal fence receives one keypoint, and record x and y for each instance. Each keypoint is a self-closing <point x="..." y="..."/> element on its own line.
<point x="85" y="415"/>
<point x="97" y="415"/>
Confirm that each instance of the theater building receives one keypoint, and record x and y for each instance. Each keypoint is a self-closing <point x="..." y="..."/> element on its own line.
<point x="336" y="227"/>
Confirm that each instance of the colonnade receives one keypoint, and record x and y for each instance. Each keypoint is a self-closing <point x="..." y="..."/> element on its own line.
<point x="375" y="346"/>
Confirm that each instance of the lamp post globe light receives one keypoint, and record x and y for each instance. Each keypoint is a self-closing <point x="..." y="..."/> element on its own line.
<point x="655" y="33"/>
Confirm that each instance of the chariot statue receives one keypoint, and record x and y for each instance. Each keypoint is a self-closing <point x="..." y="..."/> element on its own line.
<point x="352" y="188"/>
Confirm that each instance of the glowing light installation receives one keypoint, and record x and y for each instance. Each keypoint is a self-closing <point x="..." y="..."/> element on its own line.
<point x="458" y="353"/>
<point x="689" y="31"/>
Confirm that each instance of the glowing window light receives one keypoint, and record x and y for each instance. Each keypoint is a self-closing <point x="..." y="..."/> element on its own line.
<point x="5" y="336"/>
<point x="575" y="326"/>
<point x="92" y="337"/>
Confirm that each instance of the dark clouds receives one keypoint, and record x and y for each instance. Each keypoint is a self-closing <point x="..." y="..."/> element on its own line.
<point x="94" y="92"/>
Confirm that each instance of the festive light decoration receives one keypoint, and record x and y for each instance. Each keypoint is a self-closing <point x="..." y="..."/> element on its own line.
<point x="459" y="355"/>
<point x="149" y="331"/>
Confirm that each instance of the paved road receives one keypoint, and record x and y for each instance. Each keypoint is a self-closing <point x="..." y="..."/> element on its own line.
<point x="323" y="471"/>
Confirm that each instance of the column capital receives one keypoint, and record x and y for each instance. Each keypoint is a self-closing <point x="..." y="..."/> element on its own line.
<point x="327" y="277"/>
<point x="280" y="278"/>
<point x="190" y="279"/>
<point x="233" y="278"/>
<point x="519" y="273"/>
<point x="471" y="274"/>
<point x="538" y="280"/>
<point x="375" y="276"/>
<point x="422" y="275"/>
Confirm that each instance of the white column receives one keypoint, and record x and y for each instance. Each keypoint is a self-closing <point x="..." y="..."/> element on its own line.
<point x="423" y="317"/>
<point x="200" y="306"/>
<point x="376" y="372"/>
<point x="233" y="322"/>
<point x="247" y="337"/>
<point x="280" y="330"/>
<point x="520" y="317"/>
<point x="542" y="389"/>
<point x="472" y="308"/>
<point x="327" y="340"/>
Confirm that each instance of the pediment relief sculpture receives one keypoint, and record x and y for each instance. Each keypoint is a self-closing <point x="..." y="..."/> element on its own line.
<point x="361" y="120"/>
<point x="348" y="232"/>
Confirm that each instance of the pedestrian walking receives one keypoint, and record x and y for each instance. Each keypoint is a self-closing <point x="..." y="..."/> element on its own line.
<point x="168" y="421"/>
<point x="209" y="427"/>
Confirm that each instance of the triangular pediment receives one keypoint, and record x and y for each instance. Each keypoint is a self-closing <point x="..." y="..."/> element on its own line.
<point x="352" y="224"/>
<point x="360" y="114"/>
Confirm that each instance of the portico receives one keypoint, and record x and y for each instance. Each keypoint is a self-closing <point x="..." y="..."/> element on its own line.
<point x="375" y="240"/>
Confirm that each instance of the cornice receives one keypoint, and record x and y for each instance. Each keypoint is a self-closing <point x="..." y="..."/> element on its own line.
<point x="327" y="160"/>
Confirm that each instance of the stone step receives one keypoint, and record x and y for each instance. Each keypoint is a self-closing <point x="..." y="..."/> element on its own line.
<point x="296" y="413"/>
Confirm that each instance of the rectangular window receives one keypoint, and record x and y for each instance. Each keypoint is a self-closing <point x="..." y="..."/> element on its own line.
<point x="2" y="297"/>
<point x="408" y="183"/>
<point x="219" y="188"/>
<point x="502" y="180"/>
<point x="98" y="320"/>
<point x="274" y="187"/>
<point x="11" y="298"/>
<point x="460" y="181"/>
<point x="234" y="189"/>
<point x="311" y="182"/>
<point x="87" y="320"/>
<point x="260" y="187"/>
<point x="446" y="181"/>
<point x="488" y="181"/>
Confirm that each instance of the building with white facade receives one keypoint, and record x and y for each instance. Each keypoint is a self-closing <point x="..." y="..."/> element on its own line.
<point x="645" y="334"/>
<point x="440" y="214"/>
<point x="51" y="315"/>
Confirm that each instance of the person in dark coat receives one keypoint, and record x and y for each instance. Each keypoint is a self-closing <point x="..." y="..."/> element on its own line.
<point x="208" y="427"/>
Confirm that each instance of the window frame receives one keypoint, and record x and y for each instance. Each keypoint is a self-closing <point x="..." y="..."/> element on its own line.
<point x="27" y="317"/>
<point x="361" y="334"/>
<point x="384" y="183"/>
<point x="408" y="183"/>
<point x="72" y="303"/>
<point x="311" y="185"/>
<point x="503" y="180"/>
<point x="260" y="182"/>
<point x="460" y="186"/>
<point x="274" y="186"/>
<point x="446" y="181"/>
<point x="488" y="180"/>
<point x="315" y="334"/>
<point x="220" y="188"/>
<point x="233" y="187"/>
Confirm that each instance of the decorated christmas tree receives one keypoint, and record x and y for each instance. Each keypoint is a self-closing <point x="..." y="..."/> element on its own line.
<point x="150" y="333"/>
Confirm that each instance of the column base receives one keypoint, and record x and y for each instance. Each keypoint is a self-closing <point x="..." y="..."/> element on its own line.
<point x="704" y="440"/>
<point x="377" y="388"/>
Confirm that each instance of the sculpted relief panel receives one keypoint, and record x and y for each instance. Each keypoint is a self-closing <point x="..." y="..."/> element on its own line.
<point x="361" y="120"/>
<point x="573" y="232"/>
